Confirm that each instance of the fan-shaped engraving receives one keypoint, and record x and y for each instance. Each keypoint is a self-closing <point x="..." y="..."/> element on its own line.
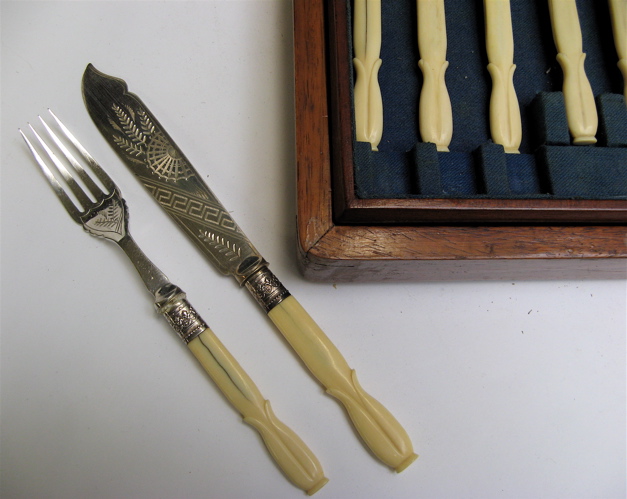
<point x="165" y="160"/>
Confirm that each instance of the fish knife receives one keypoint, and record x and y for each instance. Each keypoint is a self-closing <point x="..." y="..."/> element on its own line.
<point x="151" y="154"/>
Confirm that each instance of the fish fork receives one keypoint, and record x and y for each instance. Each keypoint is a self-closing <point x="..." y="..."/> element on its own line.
<point x="102" y="212"/>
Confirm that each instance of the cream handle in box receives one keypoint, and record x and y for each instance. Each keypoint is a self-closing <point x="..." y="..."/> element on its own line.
<point x="292" y="455"/>
<point x="435" y="115"/>
<point x="381" y="432"/>
<point x="367" y="93"/>
<point x="505" y="124"/>
<point x="581" y="112"/>
<point x="618" y="11"/>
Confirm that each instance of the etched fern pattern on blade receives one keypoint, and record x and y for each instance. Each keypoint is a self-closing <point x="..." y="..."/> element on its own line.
<point x="222" y="245"/>
<point x="135" y="137"/>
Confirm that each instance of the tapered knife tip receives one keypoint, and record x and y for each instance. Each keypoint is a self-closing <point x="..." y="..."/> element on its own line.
<point x="92" y="72"/>
<point x="90" y="69"/>
<point x="95" y="81"/>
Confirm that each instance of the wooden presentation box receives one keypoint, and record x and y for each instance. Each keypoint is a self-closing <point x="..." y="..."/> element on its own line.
<point x="473" y="213"/>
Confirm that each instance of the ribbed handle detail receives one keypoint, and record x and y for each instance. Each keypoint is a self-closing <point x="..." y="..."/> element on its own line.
<point x="381" y="432"/>
<point x="435" y="115"/>
<point x="505" y="123"/>
<point x="367" y="93"/>
<point x="581" y="112"/>
<point x="294" y="458"/>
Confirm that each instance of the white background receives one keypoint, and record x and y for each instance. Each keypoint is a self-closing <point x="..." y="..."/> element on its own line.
<point x="508" y="389"/>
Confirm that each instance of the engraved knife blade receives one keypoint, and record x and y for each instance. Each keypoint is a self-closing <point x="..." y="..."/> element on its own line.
<point x="152" y="155"/>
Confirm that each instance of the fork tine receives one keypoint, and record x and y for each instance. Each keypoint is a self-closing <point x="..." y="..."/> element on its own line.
<point x="82" y="174"/>
<point x="98" y="171"/>
<point x="54" y="183"/>
<point x="78" y="191"/>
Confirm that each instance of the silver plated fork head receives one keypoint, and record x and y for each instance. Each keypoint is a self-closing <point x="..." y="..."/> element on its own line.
<point x="100" y="209"/>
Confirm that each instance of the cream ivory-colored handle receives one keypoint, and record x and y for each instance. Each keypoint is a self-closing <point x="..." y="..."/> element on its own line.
<point x="296" y="460"/>
<point x="505" y="124"/>
<point x="581" y="112"/>
<point x="367" y="93"/>
<point x="381" y="432"/>
<point x="618" y="11"/>
<point x="435" y="116"/>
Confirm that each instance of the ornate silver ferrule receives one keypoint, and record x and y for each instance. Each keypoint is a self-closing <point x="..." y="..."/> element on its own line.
<point x="266" y="288"/>
<point x="170" y="300"/>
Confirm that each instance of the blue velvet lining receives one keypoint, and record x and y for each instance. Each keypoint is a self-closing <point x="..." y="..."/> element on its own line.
<point x="548" y="165"/>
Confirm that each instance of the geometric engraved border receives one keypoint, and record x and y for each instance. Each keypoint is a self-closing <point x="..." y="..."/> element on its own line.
<point x="192" y="207"/>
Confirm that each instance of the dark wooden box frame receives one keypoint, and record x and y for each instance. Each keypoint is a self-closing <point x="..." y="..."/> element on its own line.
<point x="344" y="238"/>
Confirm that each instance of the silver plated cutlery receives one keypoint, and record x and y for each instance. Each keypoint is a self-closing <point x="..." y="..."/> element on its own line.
<point x="102" y="212"/>
<point x="159" y="164"/>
